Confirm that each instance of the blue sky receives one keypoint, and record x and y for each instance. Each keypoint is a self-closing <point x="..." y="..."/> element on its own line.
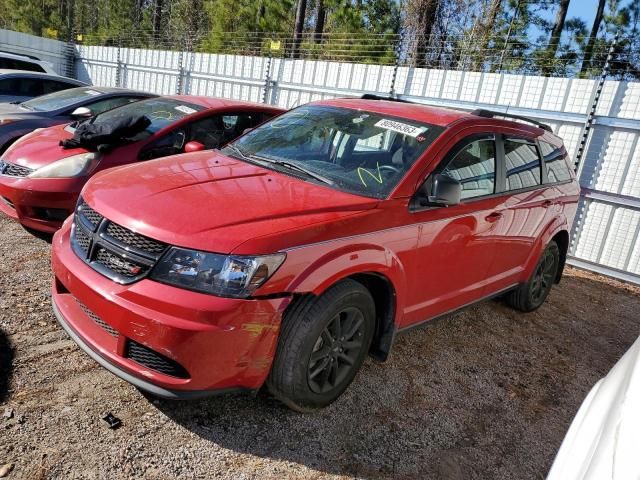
<point x="584" y="9"/>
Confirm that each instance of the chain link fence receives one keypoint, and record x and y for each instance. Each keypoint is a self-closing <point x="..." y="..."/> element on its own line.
<point x="466" y="52"/>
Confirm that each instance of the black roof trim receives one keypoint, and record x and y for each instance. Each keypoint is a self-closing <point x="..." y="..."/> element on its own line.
<point x="371" y="96"/>
<point x="481" y="112"/>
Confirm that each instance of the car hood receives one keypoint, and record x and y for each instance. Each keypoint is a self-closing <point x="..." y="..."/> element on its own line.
<point x="212" y="202"/>
<point x="604" y="439"/>
<point x="41" y="148"/>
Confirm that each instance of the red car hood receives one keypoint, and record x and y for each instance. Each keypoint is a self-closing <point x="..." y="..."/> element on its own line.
<point x="41" y="148"/>
<point x="211" y="202"/>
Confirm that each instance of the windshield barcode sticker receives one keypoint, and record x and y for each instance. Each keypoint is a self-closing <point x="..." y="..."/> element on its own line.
<point x="404" y="128"/>
<point x="185" y="109"/>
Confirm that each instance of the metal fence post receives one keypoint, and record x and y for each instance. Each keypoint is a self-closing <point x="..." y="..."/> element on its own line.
<point x="70" y="56"/>
<point x="588" y="123"/>
<point x="180" y="81"/>
<point x="394" y="77"/>
<point x="267" y="78"/>
<point x="582" y="146"/>
<point x="119" y="64"/>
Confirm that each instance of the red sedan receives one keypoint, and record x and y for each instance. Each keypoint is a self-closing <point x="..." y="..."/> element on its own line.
<point x="40" y="180"/>
<point x="307" y="244"/>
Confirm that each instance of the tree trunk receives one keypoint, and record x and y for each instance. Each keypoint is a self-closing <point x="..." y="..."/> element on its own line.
<point x="157" y="19"/>
<point x="321" y="17"/>
<point x="421" y="15"/>
<point x="554" y="41"/>
<point x="486" y="30"/>
<point x="588" y="51"/>
<point x="301" y="10"/>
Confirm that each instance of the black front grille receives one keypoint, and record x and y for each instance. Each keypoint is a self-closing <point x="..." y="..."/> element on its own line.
<point x="119" y="265"/>
<point x="112" y="250"/>
<point x="154" y="360"/>
<point x="132" y="239"/>
<point x="97" y="320"/>
<point x="89" y="214"/>
<point x="82" y="240"/>
<point x="13" y="170"/>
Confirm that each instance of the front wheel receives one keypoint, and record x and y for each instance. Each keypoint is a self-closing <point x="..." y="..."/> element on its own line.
<point x="531" y="295"/>
<point x="323" y="343"/>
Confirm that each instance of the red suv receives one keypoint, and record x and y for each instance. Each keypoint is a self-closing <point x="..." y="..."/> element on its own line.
<point x="308" y="243"/>
<point x="40" y="180"/>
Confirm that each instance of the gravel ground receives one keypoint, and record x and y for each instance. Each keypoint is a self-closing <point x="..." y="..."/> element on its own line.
<point x="485" y="393"/>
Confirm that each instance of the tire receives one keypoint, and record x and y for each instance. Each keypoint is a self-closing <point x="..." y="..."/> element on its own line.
<point x="315" y="360"/>
<point x="531" y="295"/>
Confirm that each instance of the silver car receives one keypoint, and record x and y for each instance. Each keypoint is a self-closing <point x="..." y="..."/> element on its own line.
<point x="21" y="85"/>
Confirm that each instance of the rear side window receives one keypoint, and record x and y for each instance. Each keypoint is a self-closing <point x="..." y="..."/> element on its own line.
<point x="14" y="64"/>
<point x="475" y="168"/>
<point x="522" y="163"/>
<point x="557" y="168"/>
<point x="51" y="86"/>
<point x="23" y="87"/>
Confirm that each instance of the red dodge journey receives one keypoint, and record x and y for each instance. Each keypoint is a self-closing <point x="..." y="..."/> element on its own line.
<point x="287" y="257"/>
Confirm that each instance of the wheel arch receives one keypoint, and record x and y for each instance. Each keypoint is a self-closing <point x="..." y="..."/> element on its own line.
<point x="5" y="146"/>
<point x="377" y="269"/>
<point x="384" y="297"/>
<point x="562" y="239"/>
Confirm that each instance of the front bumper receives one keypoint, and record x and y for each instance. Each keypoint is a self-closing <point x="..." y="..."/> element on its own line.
<point x="40" y="204"/>
<point x="220" y="344"/>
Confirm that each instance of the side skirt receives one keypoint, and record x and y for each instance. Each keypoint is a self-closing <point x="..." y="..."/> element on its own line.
<point x="430" y="321"/>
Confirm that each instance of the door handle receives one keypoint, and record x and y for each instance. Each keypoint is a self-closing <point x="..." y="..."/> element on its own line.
<point x="493" y="217"/>
<point x="547" y="203"/>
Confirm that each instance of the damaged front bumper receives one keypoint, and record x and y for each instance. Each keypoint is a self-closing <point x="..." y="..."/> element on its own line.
<point x="170" y="342"/>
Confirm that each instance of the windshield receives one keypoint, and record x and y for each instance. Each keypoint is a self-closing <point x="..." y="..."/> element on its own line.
<point x="61" y="99"/>
<point x="359" y="152"/>
<point x="160" y="111"/>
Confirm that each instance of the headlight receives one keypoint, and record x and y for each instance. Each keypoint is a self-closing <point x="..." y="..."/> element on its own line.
<point x="7" y="121"/>
<point x="222" y="275"/>
<point x="73" y="166"/>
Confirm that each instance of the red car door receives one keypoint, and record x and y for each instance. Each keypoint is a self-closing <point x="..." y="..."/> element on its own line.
<point x="527" y="208"/>
<point x="456" y="244"/>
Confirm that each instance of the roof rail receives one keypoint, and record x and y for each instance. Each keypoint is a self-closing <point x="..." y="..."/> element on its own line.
<point x="481" y="112"/>
<point x="21" y="55"/>
<point x="371" y="96"/>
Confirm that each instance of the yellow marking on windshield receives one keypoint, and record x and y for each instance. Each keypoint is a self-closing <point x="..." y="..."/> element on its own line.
<point x="371" y="174"/>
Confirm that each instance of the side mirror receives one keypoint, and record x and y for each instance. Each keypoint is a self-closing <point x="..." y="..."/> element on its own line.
<point x="194" y="147"/>
<point x="82" y="112"/>
<point x="441" y="190"/>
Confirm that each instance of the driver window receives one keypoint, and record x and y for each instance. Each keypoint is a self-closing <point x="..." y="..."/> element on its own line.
<point x="170" y="144"/>
<point x="209" y="131"/>
<point x="475" y="168"/>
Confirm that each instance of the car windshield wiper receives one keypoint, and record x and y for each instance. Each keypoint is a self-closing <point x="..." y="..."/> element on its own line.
<point x="298" y="168"/>
<point x="237" y="150"/>
<point x="27" y="107"/>
<point x="280" y="163"/>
